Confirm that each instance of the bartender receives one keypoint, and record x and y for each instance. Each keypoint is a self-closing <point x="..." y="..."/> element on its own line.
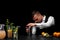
<point x="40" y="21"/>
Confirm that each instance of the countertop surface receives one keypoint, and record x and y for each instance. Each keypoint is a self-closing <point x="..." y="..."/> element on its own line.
<point x="34" y="37"/>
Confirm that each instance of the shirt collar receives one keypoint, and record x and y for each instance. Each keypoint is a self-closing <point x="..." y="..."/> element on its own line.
<point x="44" y="18"/>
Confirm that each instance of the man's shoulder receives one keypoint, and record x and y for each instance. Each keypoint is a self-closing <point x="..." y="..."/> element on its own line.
<point x="51" y="16"/>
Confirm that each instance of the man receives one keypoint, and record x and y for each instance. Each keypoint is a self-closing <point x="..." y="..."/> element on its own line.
<point x="41" y="21"/>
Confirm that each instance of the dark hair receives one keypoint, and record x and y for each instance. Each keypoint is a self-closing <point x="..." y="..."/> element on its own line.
<point x="36" y="12"/>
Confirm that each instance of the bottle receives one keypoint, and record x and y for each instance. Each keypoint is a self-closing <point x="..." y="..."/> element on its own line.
<point x="33" y="30"/>
<point x="2" y="31"/>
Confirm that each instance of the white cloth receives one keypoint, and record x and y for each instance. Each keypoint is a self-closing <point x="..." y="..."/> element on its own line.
<point x="44" y="24"/>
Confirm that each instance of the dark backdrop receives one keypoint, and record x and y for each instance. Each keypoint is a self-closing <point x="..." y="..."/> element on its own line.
<point x="20" y="13"/>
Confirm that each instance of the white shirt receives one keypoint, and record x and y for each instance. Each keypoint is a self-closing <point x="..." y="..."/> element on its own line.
<point x="44" y="24"/>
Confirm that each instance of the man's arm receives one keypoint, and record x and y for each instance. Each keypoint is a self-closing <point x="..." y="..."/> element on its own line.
<point x="49" y="23"/>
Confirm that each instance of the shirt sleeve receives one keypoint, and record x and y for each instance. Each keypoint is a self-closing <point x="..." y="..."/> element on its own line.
<point x="49" y="23"/>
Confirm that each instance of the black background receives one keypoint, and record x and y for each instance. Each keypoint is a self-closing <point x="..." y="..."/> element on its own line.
<point x="20" y="12"/>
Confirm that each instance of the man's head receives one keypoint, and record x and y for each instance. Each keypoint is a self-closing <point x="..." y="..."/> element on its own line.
<point x="37" y="16"/>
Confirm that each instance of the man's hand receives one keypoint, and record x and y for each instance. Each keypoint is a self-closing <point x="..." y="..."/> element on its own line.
<point x="31" y="24"/>
<point x="27" y="30"/>
<point x="28" y="26"/>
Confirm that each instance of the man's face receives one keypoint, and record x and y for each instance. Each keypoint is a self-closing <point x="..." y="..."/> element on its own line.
<point x="37" y="17"/>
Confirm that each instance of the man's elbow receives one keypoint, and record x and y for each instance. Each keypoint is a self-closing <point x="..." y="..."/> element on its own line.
<point x="49" y="25"/>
